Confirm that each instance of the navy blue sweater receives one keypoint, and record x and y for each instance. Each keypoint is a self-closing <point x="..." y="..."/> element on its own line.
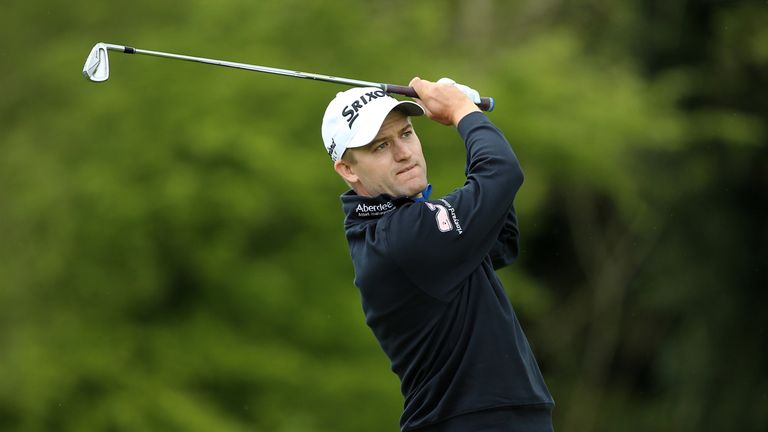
<point x="430" y="294"/>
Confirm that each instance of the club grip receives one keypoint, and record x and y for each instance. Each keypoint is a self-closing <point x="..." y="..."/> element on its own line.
<point x="486" y="103"/>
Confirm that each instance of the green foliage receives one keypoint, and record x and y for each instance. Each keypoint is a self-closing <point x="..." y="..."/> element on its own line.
<point x="171" y="244"/>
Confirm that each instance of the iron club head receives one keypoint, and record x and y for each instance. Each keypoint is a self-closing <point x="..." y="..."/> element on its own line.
<point x="96" y="66"/>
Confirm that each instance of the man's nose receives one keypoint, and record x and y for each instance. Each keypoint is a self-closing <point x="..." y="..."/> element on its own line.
<point x="402" y="151"/>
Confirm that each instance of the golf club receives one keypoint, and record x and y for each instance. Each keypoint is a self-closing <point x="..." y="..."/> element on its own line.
<point x="96" y="69"/>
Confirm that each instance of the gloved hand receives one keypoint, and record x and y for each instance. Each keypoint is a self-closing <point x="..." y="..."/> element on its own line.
<point x="471" y="93"/>
<point x="445" y="102"/>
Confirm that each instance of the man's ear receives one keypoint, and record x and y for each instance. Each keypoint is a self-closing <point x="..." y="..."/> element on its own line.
<point x="346" y="171"/>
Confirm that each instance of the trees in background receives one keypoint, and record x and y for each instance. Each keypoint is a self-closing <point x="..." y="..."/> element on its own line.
<point x="171" y="247"/>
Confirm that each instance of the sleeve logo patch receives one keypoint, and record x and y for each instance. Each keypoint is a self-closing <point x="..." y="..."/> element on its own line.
<point x="445" y="216"/>
<point x="441" y="217"/>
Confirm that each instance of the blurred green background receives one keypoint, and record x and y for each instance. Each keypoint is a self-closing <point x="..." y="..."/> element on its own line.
<point x="171" y="246"/>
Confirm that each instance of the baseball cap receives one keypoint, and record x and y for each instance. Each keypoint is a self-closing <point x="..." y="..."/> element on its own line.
<point x="353" y="118"/>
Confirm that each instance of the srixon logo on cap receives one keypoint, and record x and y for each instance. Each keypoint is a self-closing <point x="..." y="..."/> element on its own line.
<point x="350" y="112"/>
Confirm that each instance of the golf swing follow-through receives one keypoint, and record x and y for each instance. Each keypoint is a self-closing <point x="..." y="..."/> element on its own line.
<point x="426" y="266"/>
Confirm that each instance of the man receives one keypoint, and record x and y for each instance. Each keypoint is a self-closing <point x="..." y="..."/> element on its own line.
<point x="425" y="267"/>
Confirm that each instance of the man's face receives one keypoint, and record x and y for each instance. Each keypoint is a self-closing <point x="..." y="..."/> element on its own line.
<point x="392" y="163"/>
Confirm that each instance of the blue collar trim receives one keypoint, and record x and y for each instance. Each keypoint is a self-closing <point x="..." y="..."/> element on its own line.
<point x="424" y="194"/>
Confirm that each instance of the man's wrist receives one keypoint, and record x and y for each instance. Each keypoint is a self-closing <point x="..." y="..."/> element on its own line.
<point x="463" y="112"/>
<point x="469" y="122"/>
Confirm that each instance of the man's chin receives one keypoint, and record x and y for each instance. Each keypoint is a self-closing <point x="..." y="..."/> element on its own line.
<point x="415" y="189"/>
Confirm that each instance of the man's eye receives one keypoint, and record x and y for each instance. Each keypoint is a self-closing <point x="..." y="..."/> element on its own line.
<point x="407" y="133"/>
<point x="382" y="146"/>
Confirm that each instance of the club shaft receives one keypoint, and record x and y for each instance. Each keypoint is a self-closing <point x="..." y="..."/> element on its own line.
<point x="486" y="104"/>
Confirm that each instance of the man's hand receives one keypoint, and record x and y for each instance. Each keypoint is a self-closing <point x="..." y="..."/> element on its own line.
<point x="471" y="93"/>
<point x="443" y="101"/>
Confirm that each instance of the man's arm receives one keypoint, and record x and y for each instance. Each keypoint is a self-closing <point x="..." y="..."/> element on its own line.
<point x="506" y="248"/>
<point x="440" y="242"/>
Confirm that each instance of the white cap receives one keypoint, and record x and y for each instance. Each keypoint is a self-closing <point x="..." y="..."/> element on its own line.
<point x="353" y="118"/>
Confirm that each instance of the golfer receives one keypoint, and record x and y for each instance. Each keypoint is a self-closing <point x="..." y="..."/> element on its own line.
<point x="425" y="266"/>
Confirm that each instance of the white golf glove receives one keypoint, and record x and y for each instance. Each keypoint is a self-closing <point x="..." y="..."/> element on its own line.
<point x="471" y="93"/>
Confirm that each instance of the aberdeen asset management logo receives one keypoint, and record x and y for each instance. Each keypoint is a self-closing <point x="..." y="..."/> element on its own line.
<point x="350" y="112"/>
<point x="365" y="210"/>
